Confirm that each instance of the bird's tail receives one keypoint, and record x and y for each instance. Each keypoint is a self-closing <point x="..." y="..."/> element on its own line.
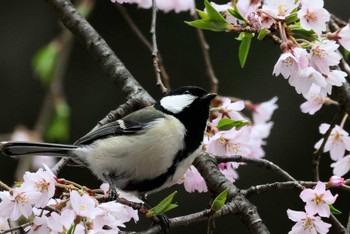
<point x="18" y="148"/>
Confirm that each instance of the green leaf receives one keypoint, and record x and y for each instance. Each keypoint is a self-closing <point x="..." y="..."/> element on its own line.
<point x="334" y="210"/>
<point x="262" y="33"/>
<point x="208" y="24"/>
<point x="58" y="129"/>
<point x="292" y="18"/>
<point x="235" y="12"/>
<point x="71" y="229"/>
<point x="227" y="124"/>
<point x="244" y="47"/>
<point x="43" y="62"/>
<point x="210" y="20"/>
<point x="164" y="206"/>
<point x="202" y="14"/>
<point x="213" y="14"/>
<point x="219" y="201"/>
<point x="307" y="34"/>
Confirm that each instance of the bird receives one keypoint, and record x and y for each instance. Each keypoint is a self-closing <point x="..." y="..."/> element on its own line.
<point x="144" y="152"/>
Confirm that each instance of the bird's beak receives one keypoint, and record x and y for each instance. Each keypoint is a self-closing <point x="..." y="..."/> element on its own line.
<point x="209" y="97"/>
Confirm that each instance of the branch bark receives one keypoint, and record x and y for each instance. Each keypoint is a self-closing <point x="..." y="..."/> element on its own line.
<point x="136" y="95"/>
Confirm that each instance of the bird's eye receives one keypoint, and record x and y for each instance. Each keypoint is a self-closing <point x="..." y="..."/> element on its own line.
<point x="187" y="92"/>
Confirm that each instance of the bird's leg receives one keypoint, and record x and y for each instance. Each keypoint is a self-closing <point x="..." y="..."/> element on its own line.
<point x="162" y="219"/>
<point x="112" y="193"/>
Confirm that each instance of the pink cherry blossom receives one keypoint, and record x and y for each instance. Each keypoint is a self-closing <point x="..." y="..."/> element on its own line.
<point x="230" y="143"/>
<point x="262" y="112"/>
<point x="83" y="205"/>
<point x="314" y="100"/>
<point x="279" y="9"/>
<point x="336" y="180"/>
<point x="231" y="109"/>
<point x="39" y="225"/>
<point x="228" y="170"/>
<point x="335" y="77"/>
<point x="344" y="37"/>
<point x="306" y="223"/>
<point x="342" y="166"/>
<point x="303" y="80"/>
<point x="337" y="143"/>
<point x="313" y="16"/>
<point x="43" y="182"/>
<point x="17" y="204"/>
<point x="61" y="223"/>
<point x="323" y="54"/>
<point x="193" y="181"/>
<point x="318" y="200"/>
<point x="291" y="62"/>
<point x="4" y="224"/>
<point x="166" y="6"/>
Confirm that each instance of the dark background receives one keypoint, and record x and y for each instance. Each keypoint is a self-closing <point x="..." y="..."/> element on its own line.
<point x="25" y="26"/>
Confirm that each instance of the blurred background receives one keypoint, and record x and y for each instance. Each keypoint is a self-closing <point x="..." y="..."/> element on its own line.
<point x="26" y="27"/>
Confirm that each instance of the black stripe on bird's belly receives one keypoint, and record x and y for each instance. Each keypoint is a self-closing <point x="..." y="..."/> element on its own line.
<point x="147" y="185"/>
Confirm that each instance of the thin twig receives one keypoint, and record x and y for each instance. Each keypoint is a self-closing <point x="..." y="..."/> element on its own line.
<point x="259" y="162"/>
<point x="208" y="64"/>
<point x="20" y="227"/>
<point x="145" y="41"/>
<point x="157" y="71"/>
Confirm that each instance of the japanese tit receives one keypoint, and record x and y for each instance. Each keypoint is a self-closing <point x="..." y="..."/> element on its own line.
<point x="144" y="152"/>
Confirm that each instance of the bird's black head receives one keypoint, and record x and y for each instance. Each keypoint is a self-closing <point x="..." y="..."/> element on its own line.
<point x="190" y="105"/>
<point x="186" y="100"/>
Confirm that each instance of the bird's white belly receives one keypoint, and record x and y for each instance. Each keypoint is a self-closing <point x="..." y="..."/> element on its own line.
<point x="138" y="157"/>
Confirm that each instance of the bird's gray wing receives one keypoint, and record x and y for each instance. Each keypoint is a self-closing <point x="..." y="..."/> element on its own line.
<point x="133" y="123"/>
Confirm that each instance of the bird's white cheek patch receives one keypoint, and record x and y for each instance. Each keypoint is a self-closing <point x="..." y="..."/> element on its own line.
<point x="177" y="103"/>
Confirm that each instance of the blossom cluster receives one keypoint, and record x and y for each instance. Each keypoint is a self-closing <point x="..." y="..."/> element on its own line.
<point x="337" y="144"/>
<point x="243" y="137"/>
<point x="308" y="63"/>
<point x="166" y="6"/>
<point x="74" y="209"/>
<point x="317" y="205"/>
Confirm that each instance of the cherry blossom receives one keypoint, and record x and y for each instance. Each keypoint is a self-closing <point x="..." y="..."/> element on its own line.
<point x="314" y="100"/>
<point x="318" y="200"/>
<point x="306" y="223"/>
<point x="43" y="182"/>
<point x="323" y="54"/>
<point x="83" y="205"/>
<point x="291" y="62"/>
<point x="231" y="109"/>
<point x="303" y="80"/>
<point x="61" y="222"/>
<point x="166" y="6"/>
<point x="228" y="170"/>
<point x="16" y="204"/>
<point x="335" y="77"/>
<point x="344" y="37"/>
<point x="39" y="225"/>
<point x="3" y="224"/>
<point x="313" y="16"/>
<point x="336" y="180"/>
<point x="262" y="112"/>
<point x="337" y="143"/>
<point x="230" y="143"/>
<point x="193" y="181"/>
<point x="342" y="166"/>
<point x="279" y="9"/>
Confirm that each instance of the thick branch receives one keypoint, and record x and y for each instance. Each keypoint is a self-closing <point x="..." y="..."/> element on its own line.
<point x="217" y="182"/>
<point x="99" y="50"/>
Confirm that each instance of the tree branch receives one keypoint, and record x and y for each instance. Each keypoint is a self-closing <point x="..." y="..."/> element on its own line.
<point x="217" y="182"/>
<point x="98" y="48"/>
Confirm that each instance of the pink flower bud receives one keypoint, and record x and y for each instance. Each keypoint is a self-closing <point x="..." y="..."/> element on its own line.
<point x="336" y="180"/>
